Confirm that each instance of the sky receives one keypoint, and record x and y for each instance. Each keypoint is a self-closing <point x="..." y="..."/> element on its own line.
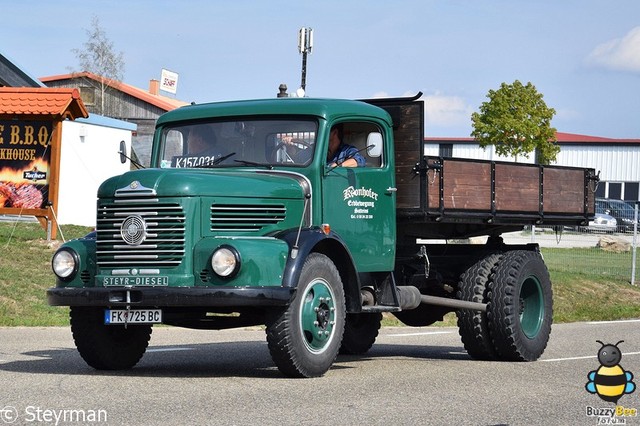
<point x="582" y="55"/>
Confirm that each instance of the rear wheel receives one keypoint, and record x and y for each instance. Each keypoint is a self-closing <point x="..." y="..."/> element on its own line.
<point x="107" y="347"/>
<point x="360" y="332"/>
<point x="520" y="309"/>
<point x="304" y="338"/>
<point x="473" y="326"/>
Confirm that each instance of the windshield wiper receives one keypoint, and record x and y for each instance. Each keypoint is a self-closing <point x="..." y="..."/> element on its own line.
<point x="221" y="159"/>
<point x="215" y="162"/>
<point x="253" y="163"/>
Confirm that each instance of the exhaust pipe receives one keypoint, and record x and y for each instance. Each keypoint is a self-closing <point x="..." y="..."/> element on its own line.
<point x="409" y="297"/>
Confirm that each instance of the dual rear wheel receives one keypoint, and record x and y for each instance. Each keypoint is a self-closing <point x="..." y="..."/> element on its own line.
<point x="516" y="287"/>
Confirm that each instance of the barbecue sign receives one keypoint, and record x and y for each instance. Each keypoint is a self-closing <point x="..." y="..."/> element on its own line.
<point x="24" y="163"/>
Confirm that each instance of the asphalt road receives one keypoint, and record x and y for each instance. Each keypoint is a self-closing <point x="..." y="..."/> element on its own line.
<point x="411" y="376"/>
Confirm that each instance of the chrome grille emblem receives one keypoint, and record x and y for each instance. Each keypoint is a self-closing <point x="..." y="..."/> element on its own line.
<point x="133" y="230"/>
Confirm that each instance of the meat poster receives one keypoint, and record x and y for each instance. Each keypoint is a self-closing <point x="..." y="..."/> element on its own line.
<point x="24" y="164"/>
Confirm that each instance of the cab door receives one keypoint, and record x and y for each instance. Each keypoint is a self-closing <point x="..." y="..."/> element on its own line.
<point x="359" y="202"/>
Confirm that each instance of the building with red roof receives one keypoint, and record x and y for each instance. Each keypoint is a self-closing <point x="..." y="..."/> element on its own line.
<point x="123" y="102"/>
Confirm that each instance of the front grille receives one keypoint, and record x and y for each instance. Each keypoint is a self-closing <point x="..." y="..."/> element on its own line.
<point x="246" y="217"/>
<point x="154" y="234"/>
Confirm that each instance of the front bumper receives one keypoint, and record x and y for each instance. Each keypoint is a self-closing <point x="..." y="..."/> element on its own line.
<point x="170" y="296"/>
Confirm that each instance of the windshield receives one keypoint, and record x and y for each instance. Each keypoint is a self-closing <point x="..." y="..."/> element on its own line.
<point x="263" y="142"/>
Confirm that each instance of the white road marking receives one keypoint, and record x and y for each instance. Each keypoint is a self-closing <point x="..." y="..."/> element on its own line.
<point x="168" y="349"/>
<point x="612" y="322"/>
<point x="425" y="333"/>
<point x="573" y="358"/>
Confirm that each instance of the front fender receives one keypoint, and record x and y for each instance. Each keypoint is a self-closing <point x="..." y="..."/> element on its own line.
<point x="262" y="261"/>
<point x="314" y="240"/>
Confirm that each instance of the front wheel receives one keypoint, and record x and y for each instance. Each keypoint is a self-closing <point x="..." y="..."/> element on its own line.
<point x="520" y="308"/>
<point x="305" y="337"/>
<point x="107" y="347"/>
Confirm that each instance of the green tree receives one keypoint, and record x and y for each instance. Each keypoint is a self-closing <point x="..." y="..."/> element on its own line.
<point x="99" y="57"/>
<point x="516" y="121"/>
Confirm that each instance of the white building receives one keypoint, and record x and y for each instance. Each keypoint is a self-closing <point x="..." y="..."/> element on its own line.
<point x="89" y="155"/>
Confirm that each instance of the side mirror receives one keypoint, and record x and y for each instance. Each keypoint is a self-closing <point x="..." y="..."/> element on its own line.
<point x="123" y="152"/>
<point x="374" y="144"/>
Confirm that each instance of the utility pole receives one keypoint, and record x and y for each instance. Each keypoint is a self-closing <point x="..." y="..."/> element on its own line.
<point x="305" y="45"/>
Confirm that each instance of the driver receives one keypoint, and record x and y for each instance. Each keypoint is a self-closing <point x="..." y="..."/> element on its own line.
<point x="295" y="150"/>
<point x="342" y="154"/>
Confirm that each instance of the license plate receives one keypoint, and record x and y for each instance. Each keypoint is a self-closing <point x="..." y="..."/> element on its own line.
<point x="134" y="316"/>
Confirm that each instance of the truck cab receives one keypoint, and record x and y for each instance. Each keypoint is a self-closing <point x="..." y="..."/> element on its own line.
<point x="286" y="141"/>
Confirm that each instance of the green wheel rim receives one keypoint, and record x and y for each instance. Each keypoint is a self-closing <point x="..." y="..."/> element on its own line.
<point x="317" y="316"/>
<point x="531" y="307"/>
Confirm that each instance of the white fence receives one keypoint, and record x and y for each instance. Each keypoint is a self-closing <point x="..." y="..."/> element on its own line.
<point x="581" y="250"/>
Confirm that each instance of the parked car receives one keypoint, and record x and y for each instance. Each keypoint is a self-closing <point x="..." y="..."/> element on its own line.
<point x="621" y="211"/>
<point x="602" y="223"/>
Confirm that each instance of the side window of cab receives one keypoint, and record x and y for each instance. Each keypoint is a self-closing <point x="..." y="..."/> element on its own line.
<point x="356" y="144"/>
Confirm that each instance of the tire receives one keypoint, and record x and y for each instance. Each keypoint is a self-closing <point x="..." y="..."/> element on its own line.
<point x="360" y="332"/>
<point x="107" y="347"/>
<point x="305" y="337"/>
<point x="520" y="309"/>
<point x="473" y="326"/>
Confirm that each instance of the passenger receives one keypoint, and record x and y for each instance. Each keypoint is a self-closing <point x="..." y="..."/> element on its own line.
<point x="342" y="154"/>
<point x="202" y="141"/>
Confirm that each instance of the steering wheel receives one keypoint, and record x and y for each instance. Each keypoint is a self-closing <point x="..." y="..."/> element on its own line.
<point x="279" y="146"/>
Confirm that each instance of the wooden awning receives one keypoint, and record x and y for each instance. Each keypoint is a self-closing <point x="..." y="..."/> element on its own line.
<point x="38" y="103"/>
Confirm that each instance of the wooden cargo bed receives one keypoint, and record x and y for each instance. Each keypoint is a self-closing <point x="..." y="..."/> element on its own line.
<point x="453" y="190"/>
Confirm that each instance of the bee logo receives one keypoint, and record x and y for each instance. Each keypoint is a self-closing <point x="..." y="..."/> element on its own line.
<point x="610" y="381"/>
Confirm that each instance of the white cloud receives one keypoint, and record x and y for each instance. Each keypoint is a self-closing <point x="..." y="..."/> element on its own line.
<point x="446" y="111"/>
<point x="380" y="95"/>
<point x="443" y="114"/>
<point x="383" y="94"/>
<point x="619" y="54"/>
<point x="567" y="114"/>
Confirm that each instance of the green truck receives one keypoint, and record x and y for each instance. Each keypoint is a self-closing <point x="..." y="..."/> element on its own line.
<point x="260" y="228"/>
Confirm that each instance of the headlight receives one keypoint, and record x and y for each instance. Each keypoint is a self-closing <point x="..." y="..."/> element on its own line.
<point x="65" y="264"/>
<point x="225" y="261"/>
